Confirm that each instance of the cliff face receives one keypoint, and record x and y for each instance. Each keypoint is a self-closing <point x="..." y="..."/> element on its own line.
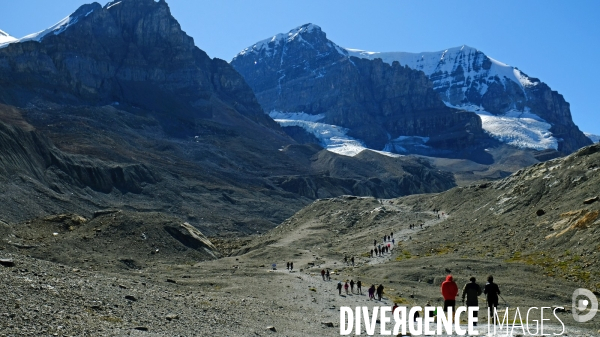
<point x="302" y="71"/>
<point x="131" y="52"/>
<point x="467" y="78"/>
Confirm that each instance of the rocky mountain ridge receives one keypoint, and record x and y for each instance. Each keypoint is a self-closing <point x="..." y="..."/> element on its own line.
<point x="467" y="78"/>
<point x="383" y="106"/>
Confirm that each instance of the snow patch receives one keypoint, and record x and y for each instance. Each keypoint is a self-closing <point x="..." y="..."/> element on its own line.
<point x="5" y="38"/>
<point x="332" y="137"/>
<point x="522" y="129"/>
<point x="56" y="29"/>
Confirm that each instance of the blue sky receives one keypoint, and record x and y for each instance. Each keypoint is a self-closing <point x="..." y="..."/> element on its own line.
<point x="555" y="41"/>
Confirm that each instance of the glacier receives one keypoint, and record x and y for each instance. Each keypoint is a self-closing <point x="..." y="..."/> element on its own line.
<point x="333" y="138"/>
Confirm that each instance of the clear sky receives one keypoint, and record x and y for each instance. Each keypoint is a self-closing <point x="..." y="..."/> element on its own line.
<point x="555" y="41"/>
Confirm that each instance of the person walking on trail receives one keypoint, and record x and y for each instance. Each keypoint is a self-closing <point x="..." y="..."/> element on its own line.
<point x="393" y="241"/>
<point x="339" y="287"/>
<point x="392" y="234"/>
<point x="449" y="291"/>
<point x="380" y="292"/>
<point x="346" y="260"/>
<point x="359" y="287"/>
<point x="291" y="266"/>
<point x="372" y="292"/>
<point x="323" y="274"/>
<point x="492" y="292"/>
<point x="352" y="286"/>
<point x="287" y="266"/>
<point x="371" y="252"/>
<point x="374" y="242"/>
<point x="352" y="260"/>
<point x="471" y="291"/>
<point x="346" y="286"/>
<point x="328" y="275"/>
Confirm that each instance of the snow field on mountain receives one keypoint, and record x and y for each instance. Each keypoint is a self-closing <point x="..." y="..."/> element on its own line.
<point x="5" y="38"/>
<point x="520" y="129"/>
<point x="332" y="137"/>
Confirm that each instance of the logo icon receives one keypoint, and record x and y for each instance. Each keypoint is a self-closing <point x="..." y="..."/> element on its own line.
<point x="580" y="305"/>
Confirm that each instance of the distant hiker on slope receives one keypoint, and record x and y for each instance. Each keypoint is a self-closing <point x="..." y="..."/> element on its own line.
<point x="346" y="286"/>
<point x="287" y="266"/>
<point x="380" y="291"/>
<point x="372" y="292"/>
<point x="291" y="266"/>
<point x="328" y="275"/>
<point x="339" y="287"/>
<point x="352" y="260"/>
<point x="323" y="274"/>
<point x="471" y="291"/>
<point x="492" y="292"/>
<point x="352" y="286"/>
<point x="371" y="252"/>
<point x="359" y="287"/>
<point x="449" y="290"/>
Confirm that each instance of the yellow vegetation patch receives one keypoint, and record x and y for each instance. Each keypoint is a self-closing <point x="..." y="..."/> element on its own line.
<point x="572" y="220"/>
<point x="586" y="220"/>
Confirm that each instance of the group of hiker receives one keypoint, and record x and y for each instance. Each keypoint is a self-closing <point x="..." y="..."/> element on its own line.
<point x="413" y="226"/>
<point x="386" y="247"/>
<point x="470" y="293"/>
<point x="350" y="285"/>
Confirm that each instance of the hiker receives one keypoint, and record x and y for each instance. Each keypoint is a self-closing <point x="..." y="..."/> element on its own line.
<point x="393" y="242"/>
<point x="359" y="287"/>
<point x="323" y="274"/>
<point x="471" y="291"/>
<point x="291" y="266"/>
<point x="421" y="226"/>
<point x="384" y="238"/>
<point x="492" y="292"/>
<point x="346" y="286"/>
<point x="380" y="291"/>
<point x="274" y="265"/>
<point x="346" y="260"/>
<point x="449" y="290"/>
<point x="394" y="308"/>
<point x="352" y="260"/>
<point x="374" y="242"/>
<point x="372" y="292"/>
<point x="339" y="287"/>
<point x="287" y="266"/>
<point x="371" y="252"/>
<point x="328" y="275"/>
<point x="352" y="286"/>
<point x="392" y="234"/>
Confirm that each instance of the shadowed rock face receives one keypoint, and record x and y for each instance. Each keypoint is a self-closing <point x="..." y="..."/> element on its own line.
<point x="131" y="52"/>
<point x="303" y="71"/>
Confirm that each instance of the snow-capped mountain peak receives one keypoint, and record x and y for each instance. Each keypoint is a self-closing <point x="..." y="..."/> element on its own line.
<point x="57" y="28"/>
<point x="301" y="34"/>
<point x="476" y="68"/>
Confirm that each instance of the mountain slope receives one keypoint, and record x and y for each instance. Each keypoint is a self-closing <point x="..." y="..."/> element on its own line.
<point x="5" y="38"/>
<point x="123" y="86"/>
<point x="515" y="108"/>
<point x="379" y="106"/>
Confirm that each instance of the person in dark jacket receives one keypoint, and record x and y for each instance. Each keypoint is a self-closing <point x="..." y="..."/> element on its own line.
<point x="449" y="291"/>
<point x="359" y="287"/>
<point x="380" y="292"/>
<point x="471" y="291"/>
<point x="339" y="287"/>
<point x="492" y="292"/>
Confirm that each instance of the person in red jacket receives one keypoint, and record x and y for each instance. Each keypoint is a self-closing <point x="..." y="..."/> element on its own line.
<point x="449" y="291"/>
